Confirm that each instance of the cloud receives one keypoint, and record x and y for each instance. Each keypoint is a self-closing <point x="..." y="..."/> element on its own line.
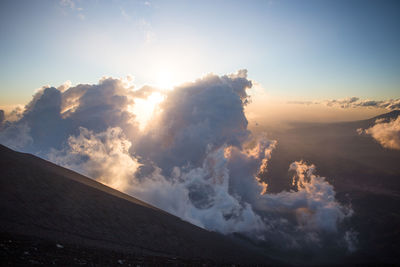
<point x="12" y="115"/>
<point x="196" y="158"/>
<point x="81" y="16"/>
<point x="202" y="115"/>
<point x="147" y="30"/>
<point x="207" y="199"/>
<point x="307" y="215"/>
<point x="98" y="107"/>
<point x="354" y="102"/>
<point x="387" y="133"/>
<point x="2" y="117"/>
<point x="145" y="92"/>
<point x="342" y="103"/>
<point x="72" y="5"/>
<point x="55" y="114"/>
<point x="68" y="3"/>
<point x="125" y="15"/>
<point x="103" y="155"/>
<point x="65" y="86"/>
<point x="15" y="136"/>
<point x="302" y="102"/>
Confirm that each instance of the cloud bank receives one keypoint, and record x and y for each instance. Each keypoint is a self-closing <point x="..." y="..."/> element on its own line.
<point x="354" y="102"/>
<point x="196" y="157"/>
<point x="386" y="133"/>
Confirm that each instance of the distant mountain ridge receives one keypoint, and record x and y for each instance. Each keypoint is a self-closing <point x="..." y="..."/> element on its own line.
<point x="391" y="115"/>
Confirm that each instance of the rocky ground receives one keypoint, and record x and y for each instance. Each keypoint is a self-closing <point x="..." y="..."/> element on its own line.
<point x="25" y="251"/>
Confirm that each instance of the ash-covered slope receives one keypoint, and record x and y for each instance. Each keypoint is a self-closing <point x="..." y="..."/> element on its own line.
<point x="41" y="200"/>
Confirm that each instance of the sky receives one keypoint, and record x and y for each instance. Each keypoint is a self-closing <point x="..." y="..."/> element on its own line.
<point x="188" y="142"/>
<point x="295" y="50"/>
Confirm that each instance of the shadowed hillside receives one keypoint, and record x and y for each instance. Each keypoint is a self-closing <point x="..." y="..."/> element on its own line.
<point x="43" y="205"/>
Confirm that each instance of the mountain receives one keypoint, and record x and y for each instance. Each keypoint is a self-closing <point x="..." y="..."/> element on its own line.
<point x="391" y="115"/>
<point x="51" y="215"/>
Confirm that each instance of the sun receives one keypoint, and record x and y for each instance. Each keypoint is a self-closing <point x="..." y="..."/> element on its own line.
<point x="165" y="80"/>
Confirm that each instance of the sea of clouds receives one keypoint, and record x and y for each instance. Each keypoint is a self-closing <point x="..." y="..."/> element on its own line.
<point x="196" y="157"/>
<point x="354" y="102"/>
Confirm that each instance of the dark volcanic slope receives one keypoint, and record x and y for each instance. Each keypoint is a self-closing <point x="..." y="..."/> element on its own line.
<point x="44" y="201"/>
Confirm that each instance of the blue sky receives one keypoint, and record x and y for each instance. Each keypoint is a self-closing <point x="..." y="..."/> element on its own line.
<point x="294" y="49"/>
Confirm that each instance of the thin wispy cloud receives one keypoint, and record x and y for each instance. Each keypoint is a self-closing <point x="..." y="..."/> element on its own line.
<point x="68" y="3"/>
<point x="72" y="6"/>
<point x="125" y="14"/>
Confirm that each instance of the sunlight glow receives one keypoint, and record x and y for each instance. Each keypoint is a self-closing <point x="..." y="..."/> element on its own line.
<point x="165" y="80"/>
<point x="145" y="108"/>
